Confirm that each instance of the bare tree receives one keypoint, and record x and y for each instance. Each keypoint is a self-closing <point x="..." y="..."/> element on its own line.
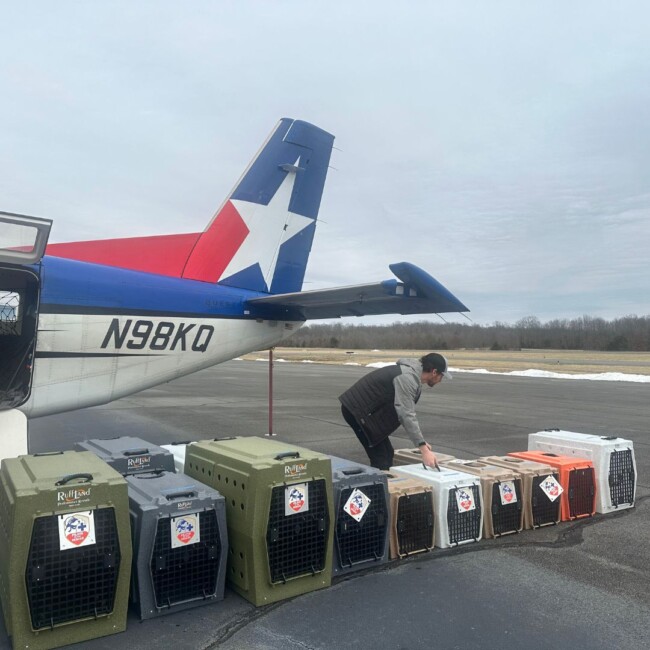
<point x="584" y="333"/>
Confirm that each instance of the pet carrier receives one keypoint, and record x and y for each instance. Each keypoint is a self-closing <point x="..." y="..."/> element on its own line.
<point x="458" y="503"/>
<point x="180" y="543"/>
<point x="412" y="520"/>
<point x="279" y="510"/>
<point x="577" y="482"/>
<point x="362" y="511"/>
<point x="541" y="508"/>
<point x="613" y="459"/>
<point x="65" y="549"/>
<point x="129" y="455"/>
<point x="502" y="496"/>
<point x="414" y="455"/>
<point x="177" y="450"/>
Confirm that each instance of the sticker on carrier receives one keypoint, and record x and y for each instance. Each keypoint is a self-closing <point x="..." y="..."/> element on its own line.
<point x="185" y="530"/>
<point x="296" y="498"/>
<point x="551" y="488"/>
<point x="465" y="500"/>
<point x="76" y="529"/>
<point x="357" y="505"/>
<point x="508" y="492"/>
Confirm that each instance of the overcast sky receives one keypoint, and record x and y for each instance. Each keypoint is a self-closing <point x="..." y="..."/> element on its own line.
<point x="502" y="146"/>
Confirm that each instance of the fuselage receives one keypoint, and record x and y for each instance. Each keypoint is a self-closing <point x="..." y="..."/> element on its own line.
<point x="104" y="333"/>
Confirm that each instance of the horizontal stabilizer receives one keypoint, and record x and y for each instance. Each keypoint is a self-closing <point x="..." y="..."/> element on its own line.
<point x="416" y="293"/>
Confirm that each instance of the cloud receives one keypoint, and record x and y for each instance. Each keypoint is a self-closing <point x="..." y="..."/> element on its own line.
<point x="502" y="147"/>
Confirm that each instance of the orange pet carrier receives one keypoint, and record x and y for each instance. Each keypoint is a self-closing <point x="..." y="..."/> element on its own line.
<point x="577" y="481"/>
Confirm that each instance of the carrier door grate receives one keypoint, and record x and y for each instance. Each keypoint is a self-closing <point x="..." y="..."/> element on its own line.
<point x="297" y="544"/>
<point x="506" y="518"/>
<point x="10" y="313"/>
<point x="581" y="492"/>
<point x="77" y="583"/>
<point x="415" y="522"/>
<point x="463" y="526"/>
<point x="186" y="573"/>
<point x="621" y="477"/>
<point x="545" y="511"/>
<point x="365" y="540"/>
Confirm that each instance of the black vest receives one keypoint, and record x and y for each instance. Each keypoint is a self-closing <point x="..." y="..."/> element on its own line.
<point x="371" y="400"/>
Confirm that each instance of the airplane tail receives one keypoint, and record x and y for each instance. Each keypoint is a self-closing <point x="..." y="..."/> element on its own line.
<point x="261" y="236"/>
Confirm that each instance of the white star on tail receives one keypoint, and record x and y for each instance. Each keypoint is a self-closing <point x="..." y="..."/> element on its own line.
<point x="269" y="227"/>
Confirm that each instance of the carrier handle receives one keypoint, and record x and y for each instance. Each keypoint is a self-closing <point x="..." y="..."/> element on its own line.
<point x="136" y="452"/>
<point x="181" y="495"/>
<point x="182" y="442"/>
<point x="429" y="469"/>
<point x="48" y="453"/>
<point x="72" y="477"/>
<point x="154" y="473"/>
<point x="554" y="429"/>
<point x="609" y="437"/>
<point x="287" y="454"/>
<point x="226" y="438"/>
<point x="548" y="453"/>
<point x="354" y="470"/>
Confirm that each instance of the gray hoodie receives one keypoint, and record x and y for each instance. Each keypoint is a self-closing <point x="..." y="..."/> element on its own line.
<point x="408" y="389"/>
<point x="384" y="399"/>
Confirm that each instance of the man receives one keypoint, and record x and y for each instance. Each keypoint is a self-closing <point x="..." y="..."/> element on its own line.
<point x="380" y="401"/>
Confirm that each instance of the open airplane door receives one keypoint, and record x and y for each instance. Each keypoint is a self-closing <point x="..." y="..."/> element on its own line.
<point x="22" y="244"/>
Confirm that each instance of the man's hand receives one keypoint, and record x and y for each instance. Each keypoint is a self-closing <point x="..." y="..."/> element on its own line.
<point x="428" y="457"/>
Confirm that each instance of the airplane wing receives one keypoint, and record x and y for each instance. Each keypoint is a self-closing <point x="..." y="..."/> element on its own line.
<point x="416" y="293"/>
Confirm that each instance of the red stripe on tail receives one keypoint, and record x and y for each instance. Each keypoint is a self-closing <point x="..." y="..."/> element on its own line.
<point x="216" y="246"/>
<point x="163" y="254"/>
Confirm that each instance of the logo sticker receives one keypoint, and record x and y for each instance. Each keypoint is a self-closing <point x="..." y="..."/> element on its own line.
<point x="508" y="493"/>
<point x="465" y="500"/>
<point x="138" y="462"/>
<point x="357" y="505"/>
<point x="76" y="529"/>
<point x="296" y="498"/>
<point x="296" y="470"/>
<point x="73" y="497"/>
<point x="185" y="530"/>
<point x="551" y="488"/>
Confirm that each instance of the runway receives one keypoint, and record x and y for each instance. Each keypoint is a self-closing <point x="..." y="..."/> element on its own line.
<point x="583" y="584"/>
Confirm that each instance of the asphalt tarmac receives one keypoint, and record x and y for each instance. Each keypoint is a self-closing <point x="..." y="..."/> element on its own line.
<point x="582" y="584"/>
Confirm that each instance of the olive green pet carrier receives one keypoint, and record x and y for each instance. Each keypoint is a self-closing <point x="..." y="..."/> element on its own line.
<point x="65" y="549"/>
<point x="279" y="511"/>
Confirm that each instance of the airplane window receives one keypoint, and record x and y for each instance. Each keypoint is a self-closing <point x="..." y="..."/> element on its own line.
<point x="18" y="237"/>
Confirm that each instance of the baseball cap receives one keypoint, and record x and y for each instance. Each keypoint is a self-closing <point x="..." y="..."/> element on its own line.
<point x="438" y="362"/>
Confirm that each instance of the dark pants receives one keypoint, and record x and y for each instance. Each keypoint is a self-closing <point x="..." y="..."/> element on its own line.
<point x="381" y="454"/>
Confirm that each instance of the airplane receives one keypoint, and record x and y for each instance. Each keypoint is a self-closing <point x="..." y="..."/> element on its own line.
<point x="86" y="323"/>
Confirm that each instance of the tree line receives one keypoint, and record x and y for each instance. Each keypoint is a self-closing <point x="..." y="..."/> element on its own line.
<point x="585" y="333"/>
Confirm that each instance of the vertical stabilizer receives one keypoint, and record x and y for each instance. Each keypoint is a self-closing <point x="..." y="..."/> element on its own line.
<point x="261" y="236"/>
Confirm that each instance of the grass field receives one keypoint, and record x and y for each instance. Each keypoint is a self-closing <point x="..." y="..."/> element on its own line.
<point x="564" y="361"/>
